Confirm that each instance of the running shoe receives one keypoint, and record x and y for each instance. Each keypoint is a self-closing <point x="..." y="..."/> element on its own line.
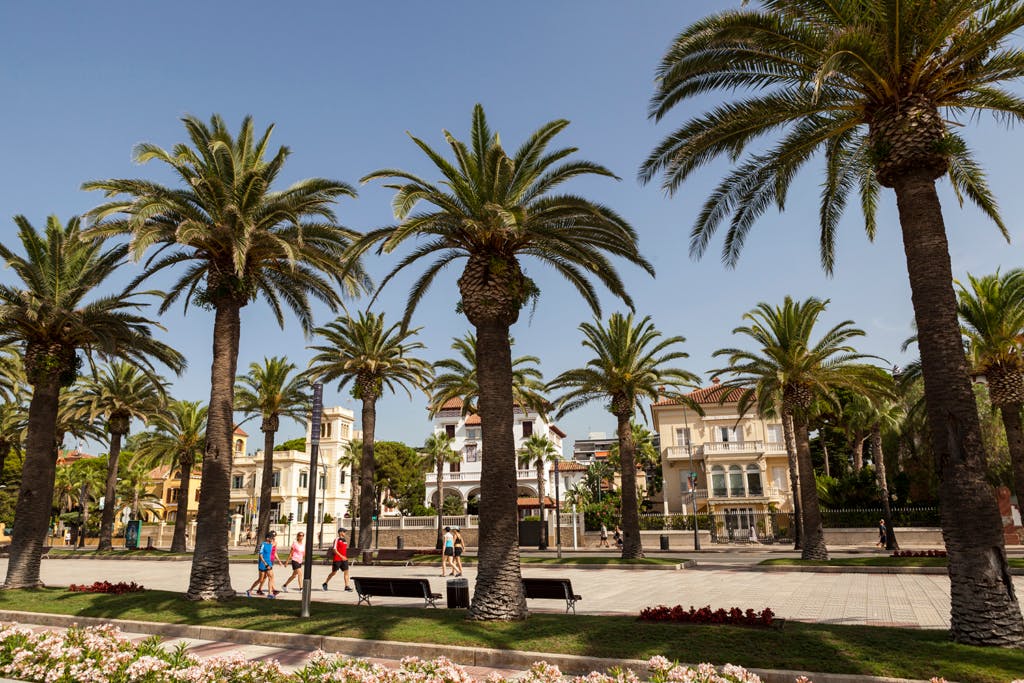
<point x="325" y="586"/>
<point x="348" y="589"/>
<point x="248" y="594"/>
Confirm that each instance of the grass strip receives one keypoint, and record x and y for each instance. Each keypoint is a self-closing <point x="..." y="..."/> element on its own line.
<point x="127" y="554"/>
<point x="872" y="561"/>
<point x="566" y="561"/>
<point x="873" y="650"/>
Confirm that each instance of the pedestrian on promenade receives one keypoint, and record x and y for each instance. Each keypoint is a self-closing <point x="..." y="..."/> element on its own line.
<point x="604" y="536"/>
<point x="618" y="536"/>
<point x="67" y="536"/>
<point x="265" y="560"/>
<point x="339" y="560"/>
<point x="881" y="533"/>
<point x="295" y="557"/>
<point x="448" y="552"/>
<point x="459" y="544"/>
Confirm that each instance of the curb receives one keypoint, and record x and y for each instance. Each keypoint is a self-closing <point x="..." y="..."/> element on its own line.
<point x="385" y="649"/>
<point x="822" y="569"/>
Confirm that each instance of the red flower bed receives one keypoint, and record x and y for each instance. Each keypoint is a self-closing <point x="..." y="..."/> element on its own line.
<point x="919" y="553"/>
<point x="705" y="615"/>
<point x="106" y="587"/>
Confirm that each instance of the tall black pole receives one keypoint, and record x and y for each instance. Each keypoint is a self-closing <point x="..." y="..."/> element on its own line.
<point x="558" y="512"/>
<point x="314" y="440"/>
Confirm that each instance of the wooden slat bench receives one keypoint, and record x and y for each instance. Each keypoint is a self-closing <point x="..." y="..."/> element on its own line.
<point x="552" y="589"/>
<point x="393" y="556"/>
<point x="367" y="587"/>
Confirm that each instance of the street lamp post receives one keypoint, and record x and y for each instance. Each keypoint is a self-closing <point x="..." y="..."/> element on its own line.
<point x="314" y="434"/>
<point x="692" y="478"/>
<point x="558" y="512"/>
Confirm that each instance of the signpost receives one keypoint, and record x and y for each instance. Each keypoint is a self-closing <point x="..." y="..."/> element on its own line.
<point x="314" y="440"/>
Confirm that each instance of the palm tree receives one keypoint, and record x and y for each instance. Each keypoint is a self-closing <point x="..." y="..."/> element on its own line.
<point x="493" y="209"/>
<point x="179" y="442"/>
<point x="630" y="364"/>
<point x="117" y="394"/>
<point x="237" y="240"/>
<point x="866" y="84"/>
<point x="646" y="456"/>
<point x="598" y="472"/>
<point x="458" y="380"/>
<point x="991" y="310"/>
<point x="789" y="370"/>
<point x="269" y="392"/>
<point x="13" y="423"/>
<point x="134" y="477"/>
<point x="373" y="358"/>
<point x="538" y="450"/>
<point x="437" y="451"/>
<point x="87" y="477"/>
<point x="352" y="457"/>
<point x="49" y="317"/>
<point x="578" y="494"/>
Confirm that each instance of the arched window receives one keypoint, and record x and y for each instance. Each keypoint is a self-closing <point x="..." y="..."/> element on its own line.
<point x="718" y="488"/>
<point x="736" y="481"/>
<point x="239" y="445"/>
<point x="754" y="480"/>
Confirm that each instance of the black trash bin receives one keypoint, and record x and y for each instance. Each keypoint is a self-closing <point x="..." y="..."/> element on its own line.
<point x="458" y="593"/>
<point x="664" y="541"/>
<point x="400" y="543"/>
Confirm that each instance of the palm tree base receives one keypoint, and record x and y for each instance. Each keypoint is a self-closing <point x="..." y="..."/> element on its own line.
<point x="20" y="586"/>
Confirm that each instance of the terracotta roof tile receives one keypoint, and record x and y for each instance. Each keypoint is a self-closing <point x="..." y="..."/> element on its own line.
<point x="556" y="430"/>
<point x="239" y="432"/>
<point x="532" y="502"/>
<point x="708" y="395"/>
<point x="473" y="419"/>
<point x="452" y="404"/>
<point x="571" y="466"/>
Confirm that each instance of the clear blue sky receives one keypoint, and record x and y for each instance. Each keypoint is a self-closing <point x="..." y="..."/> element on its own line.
<point x="81" y="83"/>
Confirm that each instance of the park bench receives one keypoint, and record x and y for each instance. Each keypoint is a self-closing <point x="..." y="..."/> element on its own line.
<point x="367" y="587"/>
<point x="391" y="556"/>
<point x="552" y="589"/>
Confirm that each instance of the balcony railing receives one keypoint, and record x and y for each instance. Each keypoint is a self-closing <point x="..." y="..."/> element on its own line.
<point x="729" y="447"/>
<point x="475" y="476"/>
<point x="766" y="492"/>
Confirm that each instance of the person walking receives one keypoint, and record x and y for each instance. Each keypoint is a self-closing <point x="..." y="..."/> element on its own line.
<point x="67" y="536"/>
<point x="617" y="536"/>
<point x="881" y="533"/>
<point x="295" y="556"/>
<point x="265" y="559"/>
<point x="339" y="560"/>
<point x="448" y="552"/>
<point x="604" y="536"/>
<point x="459" y="545"/>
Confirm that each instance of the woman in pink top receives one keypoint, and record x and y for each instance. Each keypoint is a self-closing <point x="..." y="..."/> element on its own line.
<point x="296" y="556"/>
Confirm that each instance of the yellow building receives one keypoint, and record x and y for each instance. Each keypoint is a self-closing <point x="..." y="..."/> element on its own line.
<point x="739" y="461"/>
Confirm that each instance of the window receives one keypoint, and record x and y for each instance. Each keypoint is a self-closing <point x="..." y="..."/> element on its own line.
<point x="275" y="512"/>
<point x="275" y="481"/>
<point x="341" y="477"/>
<point x="527" y="429"/>
<point x="683" y="436"/>
<point x="455" y="466"/>
<point x="344" y="430"/>
<point x="739" y="518"/>
<point x="718" y="488"/>
<point x="325" y="430"/>
<point x="449" y="431"/>
<point x="684" y="476"/>
<point x="238" y="481"/>
<point x="322" y="482"/>
<point x="172" y="495"/>
<point x="470" y="453"/>
<point x="473" y="433"/>
<point x="726" y="434"/>
<point x="735" y="481"/>
<point x="239" y="445"/>
<point x="298" y="517"/>
<point x="303" y="480"/>
<point x="754" y="480"/>
<point x="775" y="434"/>
<point x="197" y="495"/>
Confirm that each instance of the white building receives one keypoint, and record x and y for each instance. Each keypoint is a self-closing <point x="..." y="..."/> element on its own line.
<point x="462" y="479"/>
<point x="289" y="490"/>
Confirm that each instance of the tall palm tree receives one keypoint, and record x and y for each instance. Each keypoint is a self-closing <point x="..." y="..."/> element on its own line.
<point x="630" y="363"/>
<point x="437" y="451"/>
<point x="458" y="380"/>
<point x="494" y="209"/>
<point x="352" y="458"/>
<point x="866" y="83"/>
<point x="179" y="442"/>
<point x="991" y="310"/>
<point x="536" y="451"/>
<point x="237" y="240"/>
<point x="88" y="478"/>
<point x="271" y="391"/>
<point x="363" y="352"/>
<point x="134" y="482"/>
<point x="789" y="370"/>
<point x="117" y="394"/>
<point x="54" y="314"/>
<point x="646" y="455"/>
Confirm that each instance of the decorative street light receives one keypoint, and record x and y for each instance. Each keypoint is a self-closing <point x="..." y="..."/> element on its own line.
<point x="558" y="512"/>
<point x="692" y="478"/>
<point x="314" y="434"/>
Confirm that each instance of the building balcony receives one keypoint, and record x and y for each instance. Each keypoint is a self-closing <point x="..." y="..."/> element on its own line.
<point x="462" y="477"/>
<point x="766" y="494"/>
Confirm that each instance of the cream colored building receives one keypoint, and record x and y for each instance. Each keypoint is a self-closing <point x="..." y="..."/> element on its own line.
<point x="740" y="460"/>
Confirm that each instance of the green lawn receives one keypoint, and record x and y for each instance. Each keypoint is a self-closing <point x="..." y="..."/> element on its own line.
<point x="874" y="561"/>
<point x="870" y="650"/>
<point x="118" y="552"/>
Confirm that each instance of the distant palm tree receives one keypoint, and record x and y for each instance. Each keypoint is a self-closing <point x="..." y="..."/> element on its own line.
<point x="991" y="310"/>
<point x="457" y="379"/>
<point x="179" y="442"/>
<point x="647" y="457"/>
<point x="48" y="315"/>
<point x="351" y="458"/>
<point x="875" y="88"/>
<point x="361" y="351"/>
<point x="269" y="392"/>
<point x="238" y="240"/>
<point x="494" y="209"/>
<point x="437" y="451"/>
<point x="87" y="478"/>
<point x="536" y="451"/>
<point x="116" y="394"/>
<point x="630" y="363"/>
<point x="598" y="472"/>
<point x="134" y="484"/>
<point x="578" y="494"/>
<point x="788" y="369"/>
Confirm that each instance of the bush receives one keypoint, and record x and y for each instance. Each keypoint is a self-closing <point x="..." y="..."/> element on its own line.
<point x="705" y="615"/>
<point x="919" y="553"/>
<point x="106" y="587"/>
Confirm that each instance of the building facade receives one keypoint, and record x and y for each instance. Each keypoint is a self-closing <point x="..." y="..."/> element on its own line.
<point x="739" y="462"/>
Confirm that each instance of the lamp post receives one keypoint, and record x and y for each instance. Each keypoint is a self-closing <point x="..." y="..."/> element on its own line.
<point x="314" y="438"/>
<point x="692" y="478"/>
<point x="558" y="512"/>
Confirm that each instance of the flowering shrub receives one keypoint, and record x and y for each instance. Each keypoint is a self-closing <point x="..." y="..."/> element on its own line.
<point x="106" y="587"/>
<point x="918" y="553"/>
<point x="705" y="615"/>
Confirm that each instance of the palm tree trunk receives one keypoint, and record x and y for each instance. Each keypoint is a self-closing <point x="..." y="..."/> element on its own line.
<point x="263" y="524"/>
<point x="857" y="448"/>
<point x="35" y="497"/>
<point x="631" y="546"/>
<point x="1015" y="441"/>
<point x="178" y="544"/>
<point x="984" y="610"/>
<point x="824" y="451"/>
<point x="813" y="536"/>
<point x="210" y="569"/>
<point x="135" y="502"/>
<point x="110" y="494"/>
<point x="794" y="480"/>
<point x="367" y="472"/>
<point x="540" y="501"/>
<point x="440" y="504"/>
<point x="83" y="505"/>
<point x="883" y="485"/>
<point x="498" y="594"/>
